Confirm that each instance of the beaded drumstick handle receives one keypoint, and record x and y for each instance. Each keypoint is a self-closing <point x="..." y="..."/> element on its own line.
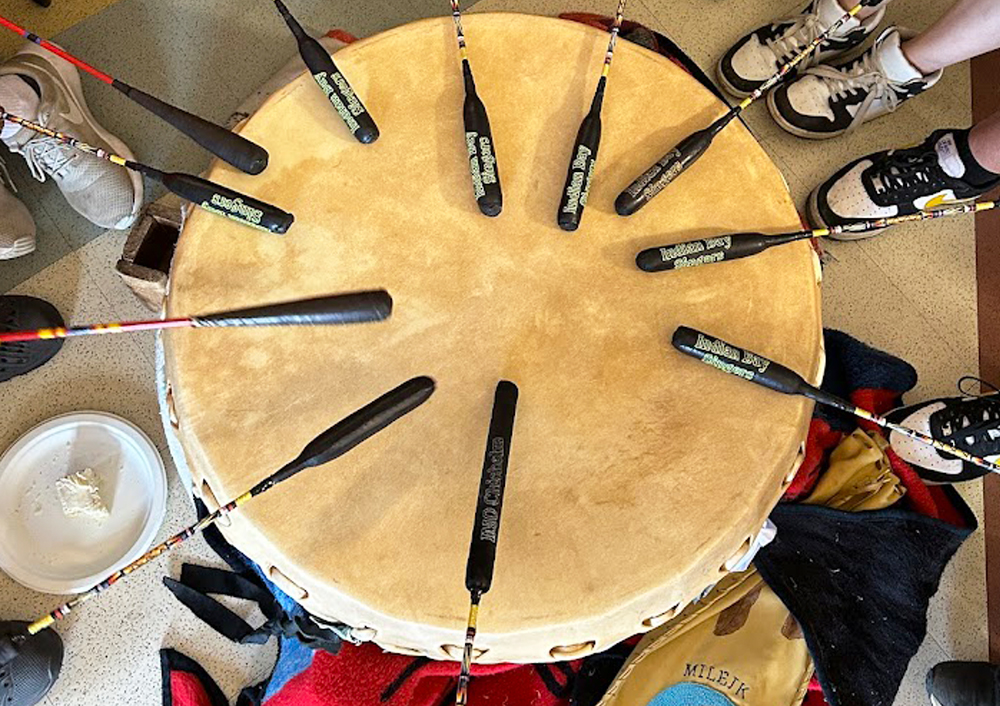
<point x="723" y="248"/>
<point x="486" y="530"/>
<point x="478" y="135"/>
<point x="205" y="194"/>
<point x="583" y="158"/>
<point x="758" y="369"/>
<point x="332" y="443"/>
<point x="690" y="149"/>
<point x="356" y="308"/>
<point x="233" y="148"/>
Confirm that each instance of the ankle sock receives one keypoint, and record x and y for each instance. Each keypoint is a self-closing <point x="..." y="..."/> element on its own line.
<point x="20" y="96"/>
<point x="957" y="161"/>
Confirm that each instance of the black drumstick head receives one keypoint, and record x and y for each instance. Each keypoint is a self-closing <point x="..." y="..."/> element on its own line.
<point x="486" y="531"/>
<point x="482" y="153"/>
<point x="658" y="177"/>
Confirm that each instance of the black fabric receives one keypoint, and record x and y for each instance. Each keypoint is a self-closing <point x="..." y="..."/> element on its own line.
<point x="243" y="582"/>
<point x="189" y="591"/>
<point x="20" y="313"/>
<point x="859" y="584"/>
<point x="596" y="674"/>
<point x="174" y="661"/>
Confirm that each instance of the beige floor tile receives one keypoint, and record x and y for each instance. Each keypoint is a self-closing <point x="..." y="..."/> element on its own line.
<point x="912" y="691"/>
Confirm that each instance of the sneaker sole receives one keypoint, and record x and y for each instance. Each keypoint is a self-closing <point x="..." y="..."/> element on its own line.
<point x="772" y="108"/>
<point x="812" y="211"/>
<point x="20" y="248"/>
<point x="725" y="85"/>
<point x="69" y="77"/>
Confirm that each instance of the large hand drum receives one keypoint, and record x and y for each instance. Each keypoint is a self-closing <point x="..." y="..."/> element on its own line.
<point x="636" y="473"/>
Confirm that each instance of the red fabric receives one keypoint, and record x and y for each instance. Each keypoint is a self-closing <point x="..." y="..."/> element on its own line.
<point x="814" y="697"/>
<point x="186" y="690"/>
<point x="365" y="676"/>
<point x="345" y="37"/>
<point x="821" y="441"/>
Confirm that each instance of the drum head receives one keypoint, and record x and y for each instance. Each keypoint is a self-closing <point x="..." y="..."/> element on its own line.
<point x="635" y="472"/>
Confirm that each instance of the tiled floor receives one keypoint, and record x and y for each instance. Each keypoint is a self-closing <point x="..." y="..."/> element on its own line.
<point x="911" y="292"/>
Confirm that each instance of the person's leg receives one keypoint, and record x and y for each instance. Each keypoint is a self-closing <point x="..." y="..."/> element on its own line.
<point x="984" y="143"/>
<point x="968" y="29"/>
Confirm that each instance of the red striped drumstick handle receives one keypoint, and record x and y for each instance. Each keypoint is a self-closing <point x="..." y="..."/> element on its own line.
<point x="46" y="44"/>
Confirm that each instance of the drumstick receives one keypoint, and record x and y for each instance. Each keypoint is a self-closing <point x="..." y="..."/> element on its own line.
<point x="332" y="443"/>
<point x="332" y="82"/>
<point x="355" y="308"/>
<point x="234" y="149"/>
<point x="210" y="196"/>
<point x="588" y="140"/>
<point x="478" y="136"/>
<point x="738" y="245"/>
<point x="690" y="149"/>
<point x="756" y="368"/>
<point x="486" y="530"/>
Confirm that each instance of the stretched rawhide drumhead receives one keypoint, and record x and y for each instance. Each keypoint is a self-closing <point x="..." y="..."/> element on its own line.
<point x="635" y="473"/>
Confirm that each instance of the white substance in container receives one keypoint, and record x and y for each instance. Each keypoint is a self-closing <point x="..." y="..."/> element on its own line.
<point x="80" y="496"/>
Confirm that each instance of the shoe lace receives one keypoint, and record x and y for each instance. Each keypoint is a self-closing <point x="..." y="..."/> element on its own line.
<point x="904" y="171"/>
<point x="47" y="156"/>
<point x="976" y="421"/>
<point x="860" y="76"/>
<point x="802" y="30"/>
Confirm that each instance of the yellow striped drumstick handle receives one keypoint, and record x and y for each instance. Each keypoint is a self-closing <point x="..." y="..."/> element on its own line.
<point x="798" y="58"/>
<point x="62" y="137"/>
<point x="616" y="28"/>
<point x="464" y="676"/>
<point x="879" y="223"/>
<point x="68" y="607"/>
<point x="929" y="440"/>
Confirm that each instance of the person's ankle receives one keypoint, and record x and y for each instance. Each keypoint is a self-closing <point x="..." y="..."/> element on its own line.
<point x="911" y="50"/>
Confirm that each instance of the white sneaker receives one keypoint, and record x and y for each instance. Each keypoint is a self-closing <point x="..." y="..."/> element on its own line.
<point x="17" y="228"/>
<point x="827" y="101"/>
<point x="758" y="56"/>
<point x="106" y="194"/>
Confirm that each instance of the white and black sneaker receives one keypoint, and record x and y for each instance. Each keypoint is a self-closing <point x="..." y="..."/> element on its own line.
<point x="938" y="172"/>
<point x="968" y="423"/>
<point x="827" y="101"/>
<point x="759" y="55"/>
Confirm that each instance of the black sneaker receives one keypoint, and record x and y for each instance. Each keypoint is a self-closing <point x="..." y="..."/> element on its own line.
<point x="759" y="55"/>
<point x="964" y="684"/>
<point x="827" y="101"/>
<point x="893" y="183"/>
<point x="968" y="423"/>
<point x="28" y="669"/>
